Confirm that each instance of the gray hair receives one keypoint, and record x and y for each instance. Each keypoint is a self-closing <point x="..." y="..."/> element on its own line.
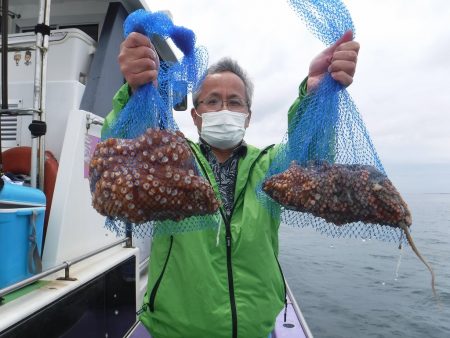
<point x="227" y="64"/>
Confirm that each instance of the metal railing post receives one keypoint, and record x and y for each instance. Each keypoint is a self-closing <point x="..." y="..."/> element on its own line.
<point x="5" y="19"/>
<point x="40" y="88"/>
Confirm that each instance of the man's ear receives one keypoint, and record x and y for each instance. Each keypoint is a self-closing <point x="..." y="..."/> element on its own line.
<point x="197" y="120"/>
<point x="247" y="121"/>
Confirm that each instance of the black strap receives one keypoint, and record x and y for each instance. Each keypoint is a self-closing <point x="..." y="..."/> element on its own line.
<point x="37" y="128"/>
<point x="42" y="28"/>
<point x="34" y="258"/>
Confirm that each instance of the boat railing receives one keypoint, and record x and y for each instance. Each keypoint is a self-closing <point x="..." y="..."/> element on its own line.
<point x="298" y="312"/>
<point x="65" y="265"/>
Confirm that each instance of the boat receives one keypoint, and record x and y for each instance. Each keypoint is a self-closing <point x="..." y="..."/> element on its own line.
<point x="61" y="73"/>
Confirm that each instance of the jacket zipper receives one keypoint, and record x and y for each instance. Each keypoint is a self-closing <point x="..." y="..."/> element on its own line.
<point x="151" y="302"/>
<point x="230" y="276"/>
<point x="228" y="240"/>
<point x="228" y="244"/>
<point x="227" y="221"/>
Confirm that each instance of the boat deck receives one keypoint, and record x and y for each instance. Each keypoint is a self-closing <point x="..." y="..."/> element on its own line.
<point x="289" y="329"/>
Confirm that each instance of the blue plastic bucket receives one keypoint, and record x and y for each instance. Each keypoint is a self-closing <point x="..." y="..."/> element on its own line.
<point x="22" y="211"/>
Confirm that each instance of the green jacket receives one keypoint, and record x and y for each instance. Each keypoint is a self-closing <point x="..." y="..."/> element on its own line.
<point x="198" y="289"/>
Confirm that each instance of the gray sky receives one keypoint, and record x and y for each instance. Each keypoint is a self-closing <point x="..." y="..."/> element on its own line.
<point x="401" y="86"/>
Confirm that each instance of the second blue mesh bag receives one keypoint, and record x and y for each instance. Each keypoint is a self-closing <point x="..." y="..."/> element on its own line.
<point x="143" y="175"/>
<point x="327" y="173"/>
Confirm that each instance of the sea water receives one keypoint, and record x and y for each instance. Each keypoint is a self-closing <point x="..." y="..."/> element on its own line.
<point x="364" y="288"/>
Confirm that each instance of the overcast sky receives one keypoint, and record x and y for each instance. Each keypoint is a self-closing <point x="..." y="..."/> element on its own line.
<point x="402" y="83"/>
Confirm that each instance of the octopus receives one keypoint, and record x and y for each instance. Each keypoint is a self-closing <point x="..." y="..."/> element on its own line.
<point x="341" y="194"/>
<point x="150" y="178"/>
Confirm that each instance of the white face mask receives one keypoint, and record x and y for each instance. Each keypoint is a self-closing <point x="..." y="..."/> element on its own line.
<point x="223" y="129"/>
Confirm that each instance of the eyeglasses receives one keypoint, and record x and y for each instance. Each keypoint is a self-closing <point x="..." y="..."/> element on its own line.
<point x="214" y="104"/>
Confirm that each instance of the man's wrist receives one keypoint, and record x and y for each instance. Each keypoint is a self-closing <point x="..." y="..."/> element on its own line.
<point x="303" y="88"/>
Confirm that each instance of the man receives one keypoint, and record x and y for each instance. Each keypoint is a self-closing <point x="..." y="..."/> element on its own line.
<point x="235" y="289"/>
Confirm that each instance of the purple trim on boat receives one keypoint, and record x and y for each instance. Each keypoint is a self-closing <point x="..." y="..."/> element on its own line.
<point x="139" y="331"/>
<point x="289" y="329"/>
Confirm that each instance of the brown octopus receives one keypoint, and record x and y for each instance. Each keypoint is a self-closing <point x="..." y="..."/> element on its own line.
<point x="341" y="194"/>
<point x="151" y="177"/>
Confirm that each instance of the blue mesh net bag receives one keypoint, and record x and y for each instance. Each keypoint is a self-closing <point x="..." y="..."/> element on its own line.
<point x="143" y="175"/>
<point x="326" y="173"/>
